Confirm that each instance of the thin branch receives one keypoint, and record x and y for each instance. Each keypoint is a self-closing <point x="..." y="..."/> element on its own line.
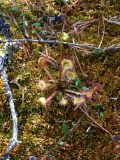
<point x="25" y="32"/>
<point x="87" y="46"/>
<point x="102" y="34"/>
<point x="81" y="25"/>
<point x="112" y="21"/>
<point x="113" y="48"/>
<point x="109" y="49"/>
<point x="5" y="58"/>
<point x="14" y="140"/>
<point x="79" y="64"/>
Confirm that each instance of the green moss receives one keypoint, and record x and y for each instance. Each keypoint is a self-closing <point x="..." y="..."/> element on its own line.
<point x="40" y="130"/>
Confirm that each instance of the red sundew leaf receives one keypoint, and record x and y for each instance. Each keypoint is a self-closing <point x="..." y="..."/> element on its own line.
<point x="89" y="93"/>
<point x="42" y="62"/>
<point x="96" y="87"/>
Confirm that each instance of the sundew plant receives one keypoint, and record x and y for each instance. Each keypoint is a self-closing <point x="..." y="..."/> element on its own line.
<point x="59" y="79"/>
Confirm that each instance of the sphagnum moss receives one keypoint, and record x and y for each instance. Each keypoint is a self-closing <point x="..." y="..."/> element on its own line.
<point x="104" y="70"/>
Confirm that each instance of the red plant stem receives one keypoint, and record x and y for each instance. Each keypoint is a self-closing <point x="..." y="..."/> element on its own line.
<point x="49" y="99"/>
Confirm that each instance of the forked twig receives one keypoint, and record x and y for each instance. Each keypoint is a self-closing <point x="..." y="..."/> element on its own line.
<point x="14" y="140"/>
<point x="5" y="58"/>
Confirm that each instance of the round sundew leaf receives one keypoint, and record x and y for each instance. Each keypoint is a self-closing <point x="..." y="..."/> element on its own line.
<point x="70" y="75"/>
<point x="42" y="62"/>
<point x="78" y="100"/>
<point x="42" y="85"/>
<point x="63" y="102"/>
<point x="63" y="36"/>
<point x="67" y="64"/>
<point x="42" y="101"/>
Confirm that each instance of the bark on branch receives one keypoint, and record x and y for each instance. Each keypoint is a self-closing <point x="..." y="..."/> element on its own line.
<point x="14" y="140"/>
<point x="109" y="49"/>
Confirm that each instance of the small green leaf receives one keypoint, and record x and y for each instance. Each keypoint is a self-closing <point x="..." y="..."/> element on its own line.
<point x="36" y="24"/>
<point x="14" y="9"/>
<point x="97" y="52"/>
<point x="22" y="14"/>
<point x="2" y="14"/>
<point x="100" y="110"/>
<point x="34" y="31"/>
<point x="65" y="127"/>
<point x="77" y="82"/>
<point x="99" y="107"/>
<point x="84" y="88"/>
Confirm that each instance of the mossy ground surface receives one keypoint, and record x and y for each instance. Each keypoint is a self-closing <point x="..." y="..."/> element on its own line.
<point x="40" y="130"/>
